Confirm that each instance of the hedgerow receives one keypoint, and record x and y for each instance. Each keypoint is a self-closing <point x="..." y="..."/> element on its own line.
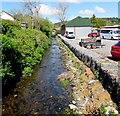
<point x="31" y="44"/>
<point x="22" y="49"/>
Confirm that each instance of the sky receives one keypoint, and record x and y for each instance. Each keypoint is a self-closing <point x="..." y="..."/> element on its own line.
<point x="75" y="8"/>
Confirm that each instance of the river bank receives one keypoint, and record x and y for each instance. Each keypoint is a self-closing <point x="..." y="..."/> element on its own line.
<point x="41" y="93"/>
<point x="76" y="92"/>
<point x="89" y="95"/>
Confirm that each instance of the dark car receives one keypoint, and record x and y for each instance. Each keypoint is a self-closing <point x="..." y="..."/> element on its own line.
<point x="115" y="50"/>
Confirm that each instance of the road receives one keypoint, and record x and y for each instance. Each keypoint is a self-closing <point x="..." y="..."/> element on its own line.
<point x="105" y="50"/>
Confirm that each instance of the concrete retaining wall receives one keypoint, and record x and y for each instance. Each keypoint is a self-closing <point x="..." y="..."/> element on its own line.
<point x="107" y="71"/>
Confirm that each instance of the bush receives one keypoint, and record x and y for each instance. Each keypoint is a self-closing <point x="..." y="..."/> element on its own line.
<point x="11" y="63"/>
<point x="31" y="44"/>
<point x="20" y="53"/>
<point x="46" y="27"/>
<point x="8" y="26"/>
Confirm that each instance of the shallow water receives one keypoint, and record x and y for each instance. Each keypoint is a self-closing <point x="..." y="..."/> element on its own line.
<point x="45" y="95"/>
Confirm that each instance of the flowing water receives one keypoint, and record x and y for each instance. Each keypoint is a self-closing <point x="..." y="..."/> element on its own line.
<point x="46" y="95"/>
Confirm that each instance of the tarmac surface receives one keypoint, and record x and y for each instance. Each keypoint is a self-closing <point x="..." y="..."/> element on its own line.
<point x="105" y="50"/>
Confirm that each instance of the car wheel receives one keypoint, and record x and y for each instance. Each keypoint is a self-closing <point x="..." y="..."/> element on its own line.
<point x="81" y="44"/>
<point x="111" y="38"/>
<point x="93" y="46"/>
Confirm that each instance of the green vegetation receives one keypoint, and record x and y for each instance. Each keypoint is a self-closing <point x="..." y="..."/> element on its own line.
<point x="96" y="73"/>
<point x="99" y="22"/>
<point x="69" y="111"/>
<point x="37" y="23"/>
<point x="64" y="82"/>
<point x="22" y="49"/>
<point x="102" y="110"/>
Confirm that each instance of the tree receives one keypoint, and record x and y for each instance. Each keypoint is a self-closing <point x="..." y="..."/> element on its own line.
<point x="94" y="21"/>
<point x="32" y="8"/>
<point x="17" y="13"/>
<point x="46" y="27"/>
<point x="62" y="10"/>
<point x="100" y="23"/>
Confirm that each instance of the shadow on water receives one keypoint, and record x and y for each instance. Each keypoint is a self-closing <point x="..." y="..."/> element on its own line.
<point x="45" y="95"/>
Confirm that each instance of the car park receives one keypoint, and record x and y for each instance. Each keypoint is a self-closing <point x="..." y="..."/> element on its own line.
<point x="115" y="50"/>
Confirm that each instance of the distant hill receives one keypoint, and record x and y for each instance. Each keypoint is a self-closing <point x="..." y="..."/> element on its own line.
<point x="110" y="21"/>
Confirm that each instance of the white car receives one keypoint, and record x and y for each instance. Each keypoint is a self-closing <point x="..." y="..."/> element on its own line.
<point x="70" y="34"/>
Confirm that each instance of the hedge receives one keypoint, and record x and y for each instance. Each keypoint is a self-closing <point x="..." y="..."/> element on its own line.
<point x="22" y="49"/>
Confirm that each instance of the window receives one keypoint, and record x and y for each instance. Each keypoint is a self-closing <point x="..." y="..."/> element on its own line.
<point x="70" y="32"/>
<point x="105" y="31"/>
<point x="117" y="32"/>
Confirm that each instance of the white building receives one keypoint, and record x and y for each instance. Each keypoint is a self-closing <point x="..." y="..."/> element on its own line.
<point x="6" y="16"/>
<point x="80" y="26"/>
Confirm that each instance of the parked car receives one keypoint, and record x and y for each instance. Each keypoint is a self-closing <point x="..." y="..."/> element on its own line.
<point x="93" y="34"/>
<point x="110" y="32"/>
<point x="115" y="50"/>
<point x="70" y="34"/>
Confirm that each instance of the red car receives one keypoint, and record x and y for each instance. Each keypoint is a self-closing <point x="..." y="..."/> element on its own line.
<point x="115" y="50"/>
<point x="93" y="34"/>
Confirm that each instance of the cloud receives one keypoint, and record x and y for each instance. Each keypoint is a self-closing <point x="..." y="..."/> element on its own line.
<point x="100" y="10"/>
<point x="47" y="10"/>
<point x="86" y="12"/>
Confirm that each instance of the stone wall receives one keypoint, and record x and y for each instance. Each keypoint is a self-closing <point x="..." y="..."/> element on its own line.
<point x="105" y="70"/>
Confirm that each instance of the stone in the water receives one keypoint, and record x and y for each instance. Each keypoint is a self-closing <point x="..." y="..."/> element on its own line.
<point x="74" y="102"/>
<point x="111" y="109"/>
<point x="72" y="106"/>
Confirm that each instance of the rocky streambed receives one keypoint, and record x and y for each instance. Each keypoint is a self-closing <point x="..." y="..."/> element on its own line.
<point x="89" y="95"/>
<point x="71" y="88"/>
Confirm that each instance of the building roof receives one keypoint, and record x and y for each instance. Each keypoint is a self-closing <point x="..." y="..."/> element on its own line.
<point x="7" y="14"/>
<point x="78" y="22"/>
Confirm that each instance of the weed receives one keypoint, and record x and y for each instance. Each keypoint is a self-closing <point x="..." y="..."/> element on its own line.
<point x="102" y="110"/>
<point x="72" y="94"/>
<point x="81" y="81"/>
<point x="64" y="82"/>
<point x="112" y="113"/>
<point x="96" y="73"/>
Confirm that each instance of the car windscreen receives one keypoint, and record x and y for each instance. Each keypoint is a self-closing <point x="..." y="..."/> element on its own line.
<point x="70" y="32"/>
<point x="117" y="44"/>
<point x="117" y="31"/>
<point x="105" y="31"/>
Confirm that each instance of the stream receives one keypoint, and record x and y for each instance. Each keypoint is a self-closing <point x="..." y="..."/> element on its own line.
<point x="46" y="95"/>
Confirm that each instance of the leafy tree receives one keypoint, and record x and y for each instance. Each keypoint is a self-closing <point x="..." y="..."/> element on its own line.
<point x="19" y="17"/>
<point x="94" y="21"/>
<point x="100" y="23"/>
<point x="46" y="27"/>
